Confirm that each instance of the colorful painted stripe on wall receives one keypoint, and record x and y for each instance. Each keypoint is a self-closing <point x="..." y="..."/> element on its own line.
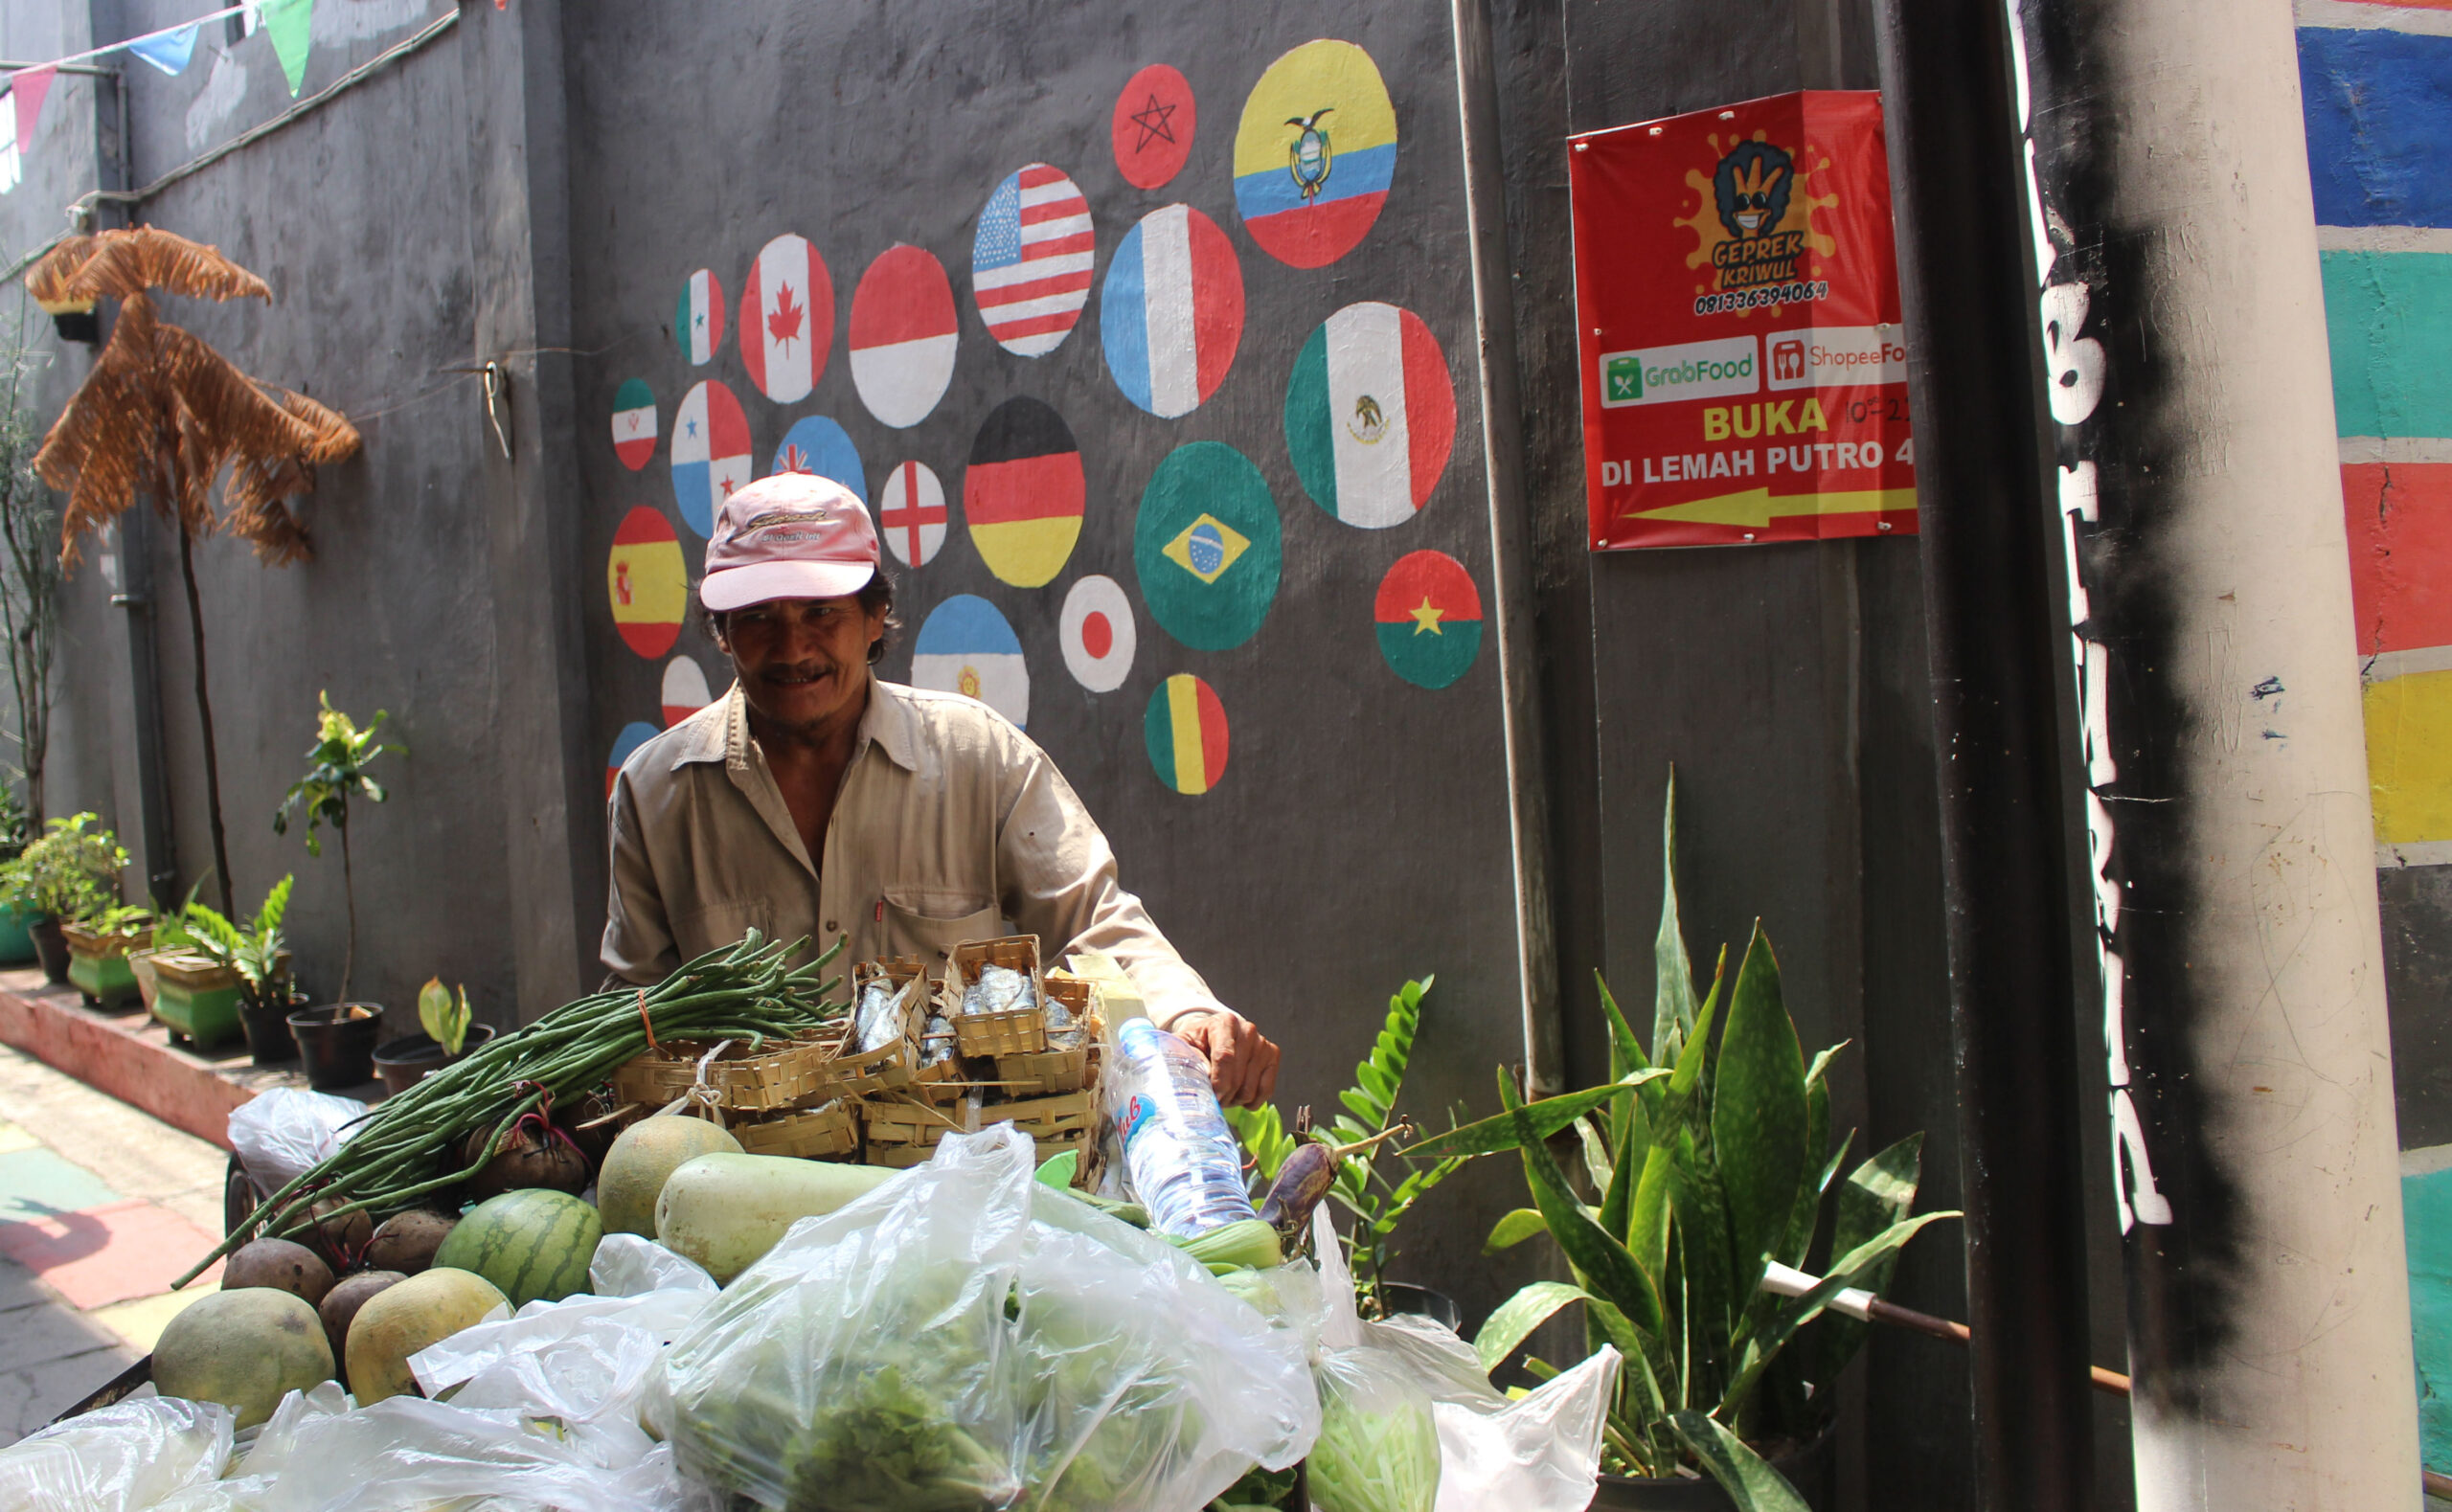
<point x="2389" y="318"/>
<point x="2375" y="102"/>
<point x="2397" y="502"/>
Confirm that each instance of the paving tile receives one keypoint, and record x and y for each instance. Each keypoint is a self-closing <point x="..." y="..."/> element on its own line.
<point x="134" y="1153"/>
<point x="33" y="1335"/>
<point x="12" y="1138"/>
<point x="140" y="1323"/>
<point x="18" y="1287"/>
<point x="32" y="1396"/>
<point x="39" y="1183"/>
<point x="113" y="1254"/>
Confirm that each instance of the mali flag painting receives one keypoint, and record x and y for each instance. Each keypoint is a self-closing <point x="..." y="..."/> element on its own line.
<point x="1185" y="732"/>
<point x="648" y="581"/>
<point x="1023" y="493"/>
<point x="1430" y="619"/>
<point x="1315" y="154"/>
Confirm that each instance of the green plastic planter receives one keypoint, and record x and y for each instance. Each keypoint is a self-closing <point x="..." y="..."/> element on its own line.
<point x="16" y="935"/>
<point x="207" y="1016"/>
<point x="106" y="981"/>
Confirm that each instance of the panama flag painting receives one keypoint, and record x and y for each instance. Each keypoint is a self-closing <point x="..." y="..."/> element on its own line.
<point x="698" y="324"/>
<point x="1429" y="618"/>
<point x="786" y="319"/>
<point x="634" y="423"/>
<point x="1371" y="414"/>
<point x="709" y="453"/>
<point x="1315" y="154"/>
<point x="1171" y="310"/>
<point x="904" y="335"/>
<point x="1185" y="729"/>
<point x="965" y="647"/>
<point x="1030" y="261"/>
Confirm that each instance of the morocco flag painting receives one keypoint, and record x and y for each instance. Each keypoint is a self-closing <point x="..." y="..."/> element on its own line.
<point x="786" y="319"/>
<point x="1429" y="618"/>
<point x="1371" y="414"/>
<point x="1023" y="493"/>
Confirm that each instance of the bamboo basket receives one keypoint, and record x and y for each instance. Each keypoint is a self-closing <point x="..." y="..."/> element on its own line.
<point x="1053" y="1069"/>
<point x="909" y="1122"/>
<point x="895" y="1063"/>
<point x="810" y="1133"/>
<point x="1016" y="1032"/>
<point x="745" y="1083"/>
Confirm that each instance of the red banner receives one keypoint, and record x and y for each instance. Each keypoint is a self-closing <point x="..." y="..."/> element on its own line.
<point x="1744" y="368"/>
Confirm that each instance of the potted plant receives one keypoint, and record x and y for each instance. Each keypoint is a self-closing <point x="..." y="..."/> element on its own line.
<point x="71" y="872"/>
<point x="1710" y="1154"/>
<point x="228" y="978"/>
<point x="16" y="914"/>
<point x="408" y="1060"/>
<point x="341" y="754"/>
<point x="98" y="943"/>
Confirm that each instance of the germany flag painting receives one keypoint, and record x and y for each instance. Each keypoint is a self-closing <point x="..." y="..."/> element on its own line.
<point x="1185" y="732"/>
<point x="1023" y="493"/>
<point x="1430" y="619"/>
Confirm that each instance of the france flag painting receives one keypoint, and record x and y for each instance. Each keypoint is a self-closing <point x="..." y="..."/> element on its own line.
<point x="1171" y="312"/>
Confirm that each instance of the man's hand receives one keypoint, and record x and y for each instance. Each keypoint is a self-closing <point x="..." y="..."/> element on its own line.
<point x="1242" y="1060"/>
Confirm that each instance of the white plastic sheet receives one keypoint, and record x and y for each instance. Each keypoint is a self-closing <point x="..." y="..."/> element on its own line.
<point x="129" y="1457"/>
<point x="283" y="1131"/>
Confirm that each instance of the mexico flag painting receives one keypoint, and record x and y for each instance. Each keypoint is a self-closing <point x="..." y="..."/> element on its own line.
<point x="966" y="647"/>
<point x="1170" y="313"/>
<point x="1023" y="493"/>
<point x="1185" y="729"/>
<point x="786" y="319"/>
<point x="904" y="335"/>
<point x="698" y="322"/>
<point x="647" y="582"/>
<point x="634" y="423"/>
<point x="1030" y="260"/>
<point x="1371" y="414"/>
<point x="1429" y="618"/>
<point x="709" y="453"/>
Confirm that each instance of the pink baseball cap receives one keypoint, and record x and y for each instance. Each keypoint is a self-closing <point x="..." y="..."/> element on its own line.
<point x="794" y="535"/>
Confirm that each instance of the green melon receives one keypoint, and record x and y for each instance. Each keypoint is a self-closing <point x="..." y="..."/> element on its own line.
<point x="533" y="1244"/>
<point x="636" y="1166"/>
<point x="245" y="1348"/>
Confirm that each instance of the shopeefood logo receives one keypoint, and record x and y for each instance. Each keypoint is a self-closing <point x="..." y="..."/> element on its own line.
<point x="1694" y="369"/>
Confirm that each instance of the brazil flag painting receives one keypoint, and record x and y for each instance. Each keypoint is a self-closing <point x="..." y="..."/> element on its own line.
<point x="1185" y="733"/>
<point x="1207" y="546"/>
<point x="1430" y="619"/>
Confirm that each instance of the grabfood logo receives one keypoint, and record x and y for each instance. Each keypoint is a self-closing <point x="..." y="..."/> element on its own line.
<point x="1694" y="369"/>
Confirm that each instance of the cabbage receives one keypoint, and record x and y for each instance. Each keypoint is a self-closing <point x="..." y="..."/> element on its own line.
<point x="1378" y="1445"/>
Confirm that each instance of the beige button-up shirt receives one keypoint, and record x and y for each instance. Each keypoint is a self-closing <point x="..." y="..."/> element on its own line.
<point x="951" y="826"/>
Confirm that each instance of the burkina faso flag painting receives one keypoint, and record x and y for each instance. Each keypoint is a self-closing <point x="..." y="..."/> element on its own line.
<point x="1429" y="618"/>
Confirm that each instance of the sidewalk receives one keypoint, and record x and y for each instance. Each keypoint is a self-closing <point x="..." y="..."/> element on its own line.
<point x="100" y="1206"/>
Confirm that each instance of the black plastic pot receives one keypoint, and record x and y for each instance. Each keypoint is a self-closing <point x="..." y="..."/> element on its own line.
<point x="336" y="1043"/>
<point x="50" y="948"/>
<point x="269" y="1041"/>
<point x="411" y="1058"/>
<point x="1438" y="1306"/>
<point x="1813" y="1470"/>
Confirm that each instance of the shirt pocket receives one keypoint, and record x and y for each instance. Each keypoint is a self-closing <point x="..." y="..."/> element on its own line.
<point x="929" y="924"/>
<point x="720" y="924"/>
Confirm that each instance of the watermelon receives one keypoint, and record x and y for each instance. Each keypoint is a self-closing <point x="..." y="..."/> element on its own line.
<point x="533" y="1244"/>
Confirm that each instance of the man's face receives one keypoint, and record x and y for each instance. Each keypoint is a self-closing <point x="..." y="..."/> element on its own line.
<point x="801" y="661"/>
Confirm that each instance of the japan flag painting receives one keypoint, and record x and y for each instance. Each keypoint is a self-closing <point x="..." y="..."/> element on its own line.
<point x="786" y="319"/>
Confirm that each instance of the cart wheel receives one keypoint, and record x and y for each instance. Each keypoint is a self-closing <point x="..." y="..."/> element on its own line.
<point x="238" y="1199"/>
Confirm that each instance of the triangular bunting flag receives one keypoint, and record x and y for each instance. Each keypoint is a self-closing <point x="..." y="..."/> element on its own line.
<point x="26" y="88"/>
<point x="169" y="52"/>
<point x="287" y="22"/>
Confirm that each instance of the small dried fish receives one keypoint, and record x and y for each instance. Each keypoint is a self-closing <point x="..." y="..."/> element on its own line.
<point x="999" y="989"/>
<point x="938" y="1043"/>
<point x="878" y="1024"/>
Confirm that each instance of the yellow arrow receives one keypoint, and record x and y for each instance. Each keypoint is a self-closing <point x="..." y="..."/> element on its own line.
<point x="1756" y="509"/>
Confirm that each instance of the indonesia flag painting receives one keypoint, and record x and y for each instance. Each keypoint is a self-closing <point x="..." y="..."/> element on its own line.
<point x="1030" y="261"/>
<point x="786" y="319"/>
<point x="1170" y="313"/>
<point x="902" y="335"/>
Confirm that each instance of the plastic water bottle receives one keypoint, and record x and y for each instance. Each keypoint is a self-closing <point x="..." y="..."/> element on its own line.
<point x="1180" y="1159"/>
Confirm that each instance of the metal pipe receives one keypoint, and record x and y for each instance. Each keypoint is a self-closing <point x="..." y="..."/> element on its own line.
<point x="1985" y="547"/>
<point x="2171" y="239"/>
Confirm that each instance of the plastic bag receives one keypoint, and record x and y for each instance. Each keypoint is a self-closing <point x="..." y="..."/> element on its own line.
<point x="126" y="1458"/>
<point x="261" y="1460"/>
<point x="408" y="1455"/>
<point x="1379" y="1449"/>
<point x="626" y="1265"/>
<point x="283" y="1131"/>
<point x="966" y="1336"/>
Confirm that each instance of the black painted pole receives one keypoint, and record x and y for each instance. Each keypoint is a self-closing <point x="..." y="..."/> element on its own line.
<point x="1984" y="522"/>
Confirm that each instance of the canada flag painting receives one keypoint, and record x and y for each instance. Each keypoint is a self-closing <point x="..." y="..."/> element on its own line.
<point x="786" y="319"/>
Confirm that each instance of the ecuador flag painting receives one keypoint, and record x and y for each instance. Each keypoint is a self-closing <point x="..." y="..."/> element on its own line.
<point x="1023" y="493"/>
<point x="1315" y="154"/>
<point x="648" y="581"/>
<point x="1430" y="619"/>
<point x="1185" y="732"/>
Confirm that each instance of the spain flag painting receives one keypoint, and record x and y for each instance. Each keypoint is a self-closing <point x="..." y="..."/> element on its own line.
<point x="1315" y="154"/>
<point x="1185" y="732"/>
<point x="649" y="582"/>
<point x="1023" y="493"/>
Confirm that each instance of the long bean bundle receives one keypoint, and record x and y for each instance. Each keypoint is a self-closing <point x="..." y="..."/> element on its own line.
<point x="744" y="992"/>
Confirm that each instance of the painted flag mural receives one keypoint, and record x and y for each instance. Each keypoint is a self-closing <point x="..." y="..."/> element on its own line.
<point x="1207" y="546"/>
<point x="634" y="423"/>
<point x="1030" y="261"/>
<point x="818" y="446"/>
<point x="1315" y="154"/>
<point x="786" y="319"/>
<point x="709" y="453"/>
<point x="647" y="582"/>
<point x="1185" y="729"/>
<point x="634" y="734"/>
<point x="1024" y="492"/>
<point x="904" y="335"/>
<point x="685" y="690"/>
<point x="1152" y="126"/>
<point x="698" y="322"/>
<point x="1429" y="618"/>
<point x="965" y="646"/>
<point x="911" y="514"/>
<point x="1371" y="414"/>
<point x="1170" y="313"/>
<point x="1098" y="633"/>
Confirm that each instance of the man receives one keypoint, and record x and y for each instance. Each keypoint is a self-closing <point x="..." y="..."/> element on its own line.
<point x="815" y="799"/>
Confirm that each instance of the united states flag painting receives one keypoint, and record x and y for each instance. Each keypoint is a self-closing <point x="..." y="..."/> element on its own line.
<point x="1030" y="261"/>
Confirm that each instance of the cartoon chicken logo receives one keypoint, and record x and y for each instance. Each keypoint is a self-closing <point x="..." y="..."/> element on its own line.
<point x="1751" y="187"/>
